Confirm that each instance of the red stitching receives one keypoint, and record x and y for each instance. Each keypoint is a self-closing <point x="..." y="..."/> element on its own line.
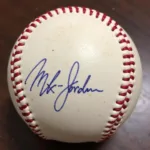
<point x="63" y="10"/>
<point x="125" y="79"/>
<point x="121" y="34"/>
<point x="120" y="102"/>
<point x="26" y="114"/>
<point x="132" y="70"/>
<point x="38" y="20"/>
<point x="120" y="29"/>
<point x="116" y="124"/>
<point x="12" y="79"/>
<point x="57" y="12"/>
<point x="127" y="99"/>
<point x="122" y="94"/>
<point x="33" y="25"/>
<point x="129" y="63"/>
<point x="15" y="46"/>
<point x="84" y="10"/>
<point x="24" y="37"/>
<point x="12" y="63"/>
<point x="44" y="17"/>
<point x="18" y="52"/>
<point x="15" y="68"/>
<point x="18" y="91"/>
<point x="109" y="22"/>
<point x="17" y="59"/>
<point x="126" y="48"/>
<point x="77" y="9"/>
<point x="124" y="41"/>
<point x="129" y="91"/>
<point x="114" y="116"/>
<point x="91" y="12"/>
<point x="128" y="56"/>
<point x="124" y="86"/>
<point x="19" y="82"/>
<point x="13" y="55"/>
<point x="114" y="27"/>
<point x="131" y="85"/>
<point x="121" y="114"/>
<point x="21" y="44"/>
<point x="129" y="70"/>
<point x="132" y="63"/>
<point x="104" y="17"/>
<point x="23" y="107"/>
<point x="50" y="14"/>
<point x="20" y="99"/>
<point x="17" y="74"/>
<point x="29" y="30"/>
<point x="70" y="9"/>
<point x="97" y="14"/>
<point x="112" y="122"/>
<point x="118" y="119"/>
<point x="12" y="70"/>
<point x="117" y="109"/>
<point x="132" y="77"/>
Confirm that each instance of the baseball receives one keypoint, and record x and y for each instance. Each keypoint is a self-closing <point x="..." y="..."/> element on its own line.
<point x="74" y="75"/>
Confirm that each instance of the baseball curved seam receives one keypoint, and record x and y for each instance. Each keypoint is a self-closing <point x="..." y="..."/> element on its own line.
<point x="115" y="120"/>
<point x="123" y="97"/>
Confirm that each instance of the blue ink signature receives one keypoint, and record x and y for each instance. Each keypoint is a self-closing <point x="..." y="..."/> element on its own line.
<point x="49" y="86"/>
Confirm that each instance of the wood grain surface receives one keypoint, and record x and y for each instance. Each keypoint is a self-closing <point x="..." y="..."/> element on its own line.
<point x="133" y="15"/>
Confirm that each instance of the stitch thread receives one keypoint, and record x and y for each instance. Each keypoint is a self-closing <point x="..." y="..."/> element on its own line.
<point x="121" y="111"/>
<point x="19" y="99"/>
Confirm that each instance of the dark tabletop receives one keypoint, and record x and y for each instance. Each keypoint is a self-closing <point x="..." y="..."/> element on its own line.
<point x="133" y="15"/>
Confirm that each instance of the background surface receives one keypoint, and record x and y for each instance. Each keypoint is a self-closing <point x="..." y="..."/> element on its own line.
<point x="133" y="15"/>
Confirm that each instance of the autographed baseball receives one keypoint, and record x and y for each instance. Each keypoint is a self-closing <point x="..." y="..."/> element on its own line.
<point x="74" y="75"/>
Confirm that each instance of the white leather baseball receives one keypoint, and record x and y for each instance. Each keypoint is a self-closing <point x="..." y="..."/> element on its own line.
<point x="74" y="75"/>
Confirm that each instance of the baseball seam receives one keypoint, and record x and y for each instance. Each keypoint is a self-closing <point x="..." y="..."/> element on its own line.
<point x="127" y="82"/>
<point x="126" y="87"/>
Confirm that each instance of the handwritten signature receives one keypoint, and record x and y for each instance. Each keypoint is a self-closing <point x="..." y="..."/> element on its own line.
<point x="48" y="86"/>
